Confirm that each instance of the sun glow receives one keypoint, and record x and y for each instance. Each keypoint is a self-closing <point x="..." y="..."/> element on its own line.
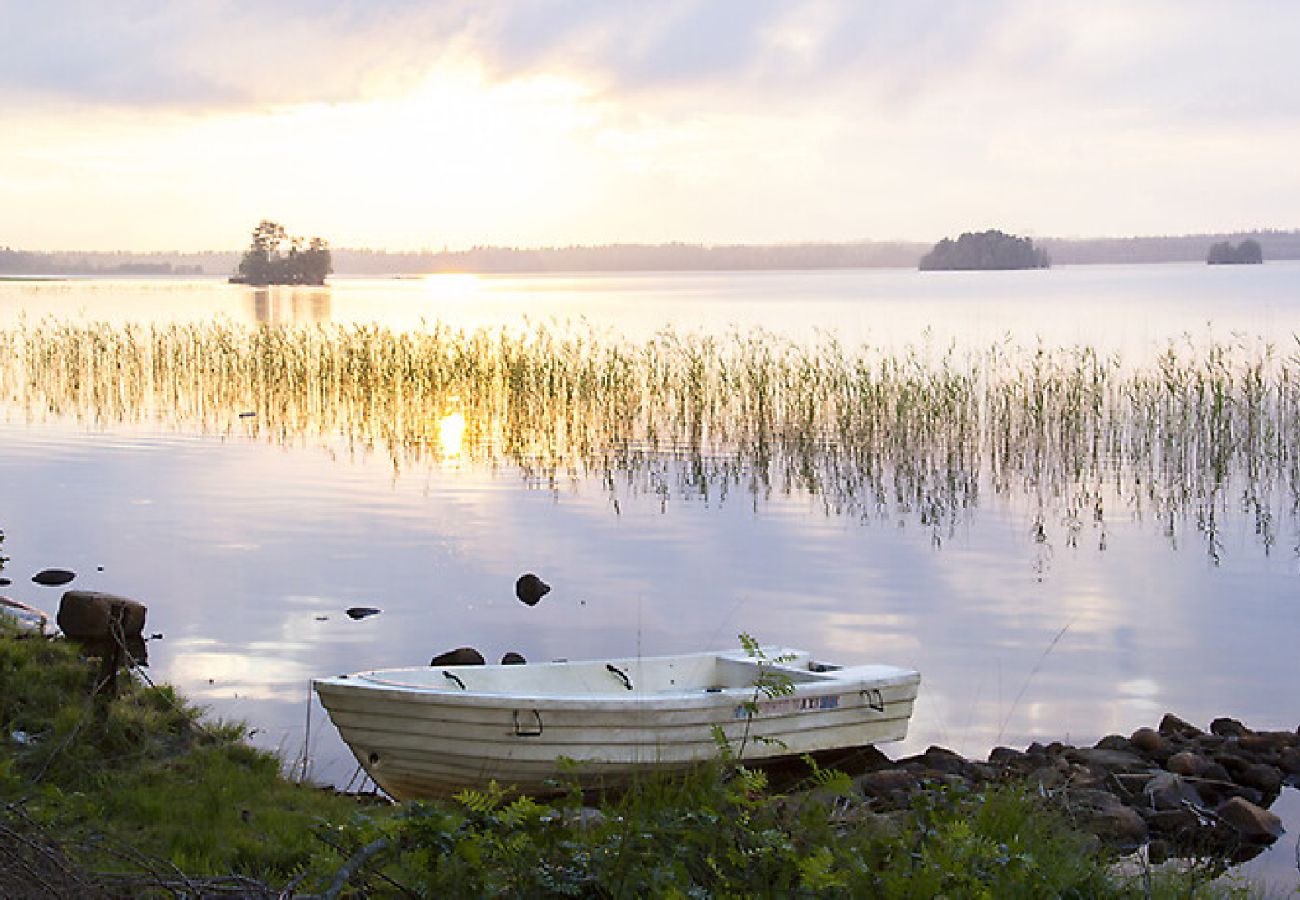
<point x="451" y="435"/>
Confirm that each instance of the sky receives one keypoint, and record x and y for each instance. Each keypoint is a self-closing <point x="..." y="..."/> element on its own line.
<point x="151" y="124"/>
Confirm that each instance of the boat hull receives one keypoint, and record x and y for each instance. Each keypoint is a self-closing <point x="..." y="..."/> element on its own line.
<point x="419" y="742"/>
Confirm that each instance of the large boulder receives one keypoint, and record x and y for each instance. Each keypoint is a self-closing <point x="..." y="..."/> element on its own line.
<point x="1107" y="760"/>
<point x="1169" y="791"/>
<point x="1188" y="764"/>
<point x="1252" y="823"/>
<point x="1172" y="726"/>
<point x="1152" y="743"/>
<point x="1264" y="778"/>
<point x="90" y="616"/>
<point x="1106" y="816"/>
<point x="1225" y="727"/>
<point x="889" y="785"/>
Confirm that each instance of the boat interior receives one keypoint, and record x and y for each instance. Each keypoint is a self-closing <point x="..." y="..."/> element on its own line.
<point x="708" y="672"/>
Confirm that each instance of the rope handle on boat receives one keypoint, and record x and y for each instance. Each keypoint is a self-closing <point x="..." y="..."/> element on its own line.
<point x="519" y="731"/>
<point x="875" y="699"/>
<point x="627" y="682"/>
<point x="454" y="678"/>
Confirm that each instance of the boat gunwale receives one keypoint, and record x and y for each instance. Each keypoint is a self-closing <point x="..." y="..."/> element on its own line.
<point x="840" y="680"/>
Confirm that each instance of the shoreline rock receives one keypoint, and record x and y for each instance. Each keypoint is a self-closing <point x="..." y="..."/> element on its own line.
<point x="1187" y="791"/>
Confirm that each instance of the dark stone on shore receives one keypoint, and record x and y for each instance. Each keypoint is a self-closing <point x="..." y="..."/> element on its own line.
<point x="1170" y="785"/>
<point x="1151" y="743"/>
<point x="1187" y="763"/>
<point x="1216" y="792"/>
<point x="1008" y="758"/>
<point x="1289" y="760"/>
<point x="1108" y="760"/>
<point x="530" y="589"/>
<point x="461" y="656"/>
<point x="1264" y="778"/>
<point x="102" y="623"/>
<point x="1172" y="726"/>
<point x="91" y="615"/>
<point x="1167" y="791"/>
<point x="1133" y="785"/>
<point x="1228" y="728"/>
<point x="361" y="612"/>
<point x="513" y="659"/>
<point x="887" y="784"/>
<point x="1181" y="825"/>
<point x="53" y="577"/>
<point x="1269" y="743"/>
<point x="1252" y="823"/>
<point x="936" y="759"/>
<point x="1114" y="742"/>
<point x="1106" y="816"/>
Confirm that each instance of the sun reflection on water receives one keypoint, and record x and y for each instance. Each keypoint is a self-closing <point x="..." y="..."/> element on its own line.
<point x="451" y="435"/>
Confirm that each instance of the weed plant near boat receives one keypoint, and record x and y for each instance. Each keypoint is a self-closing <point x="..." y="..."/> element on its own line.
<point x="721" y="832"/>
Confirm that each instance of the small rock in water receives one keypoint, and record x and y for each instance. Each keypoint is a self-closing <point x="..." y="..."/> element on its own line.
<point x="53" y="577"/>
<point x="513" y="659"/>
<point x="461" y="656"/>
<point x="530" y="589"/>
<point x="361" y="612"/>
<point x="322" y="618"/>
<point x="5" y="582"/>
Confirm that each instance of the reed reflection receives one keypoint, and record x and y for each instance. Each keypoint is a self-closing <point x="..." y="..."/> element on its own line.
<point x="1203" y="434"/>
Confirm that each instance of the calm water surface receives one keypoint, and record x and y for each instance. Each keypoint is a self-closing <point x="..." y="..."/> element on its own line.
<point x="247" y="548"/>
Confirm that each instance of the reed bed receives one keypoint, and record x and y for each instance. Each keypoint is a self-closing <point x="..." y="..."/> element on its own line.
<point x="1199" y="431"/>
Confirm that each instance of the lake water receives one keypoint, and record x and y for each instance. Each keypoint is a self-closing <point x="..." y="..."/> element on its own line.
<point x="1026" y="622"/>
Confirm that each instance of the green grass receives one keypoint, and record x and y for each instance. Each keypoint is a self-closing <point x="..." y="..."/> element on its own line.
<point x="147" y="789"/>
<point x="146" y="771"/>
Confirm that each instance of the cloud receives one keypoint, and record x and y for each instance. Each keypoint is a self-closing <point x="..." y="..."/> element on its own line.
<point x="1177" y="58"/>
<point x="219" y="54"/>
<point x="205" y="54"/>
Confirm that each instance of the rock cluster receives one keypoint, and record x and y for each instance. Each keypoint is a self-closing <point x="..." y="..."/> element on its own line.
<point x="1181" y="790"/>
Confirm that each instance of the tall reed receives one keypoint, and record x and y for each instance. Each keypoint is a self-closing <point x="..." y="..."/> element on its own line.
<point x="913" y="433"/>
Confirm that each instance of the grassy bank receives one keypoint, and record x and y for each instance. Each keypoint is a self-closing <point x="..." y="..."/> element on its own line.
<point x="142" y="797"/>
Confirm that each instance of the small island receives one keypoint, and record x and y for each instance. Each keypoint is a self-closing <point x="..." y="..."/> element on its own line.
<point x="1248" y="252"/>
<point x="268" y="262"/>
<point x="991" y="249"/>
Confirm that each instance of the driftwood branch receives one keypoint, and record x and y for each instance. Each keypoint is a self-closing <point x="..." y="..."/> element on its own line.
<point x="349" y="868"/>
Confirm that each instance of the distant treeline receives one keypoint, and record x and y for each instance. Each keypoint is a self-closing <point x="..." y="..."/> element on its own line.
<point x="108" y="264"/>
<point x="648" y="257"/>
<point x="1179" y="248"/>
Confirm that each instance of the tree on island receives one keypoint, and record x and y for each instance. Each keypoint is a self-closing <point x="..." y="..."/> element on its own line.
<point x="274" y="257"/>
<point x="1248" y="252"/>
<point x="991" y="249"/>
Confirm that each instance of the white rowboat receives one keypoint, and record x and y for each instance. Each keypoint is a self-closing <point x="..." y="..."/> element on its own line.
<point x="425" y="732"/>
